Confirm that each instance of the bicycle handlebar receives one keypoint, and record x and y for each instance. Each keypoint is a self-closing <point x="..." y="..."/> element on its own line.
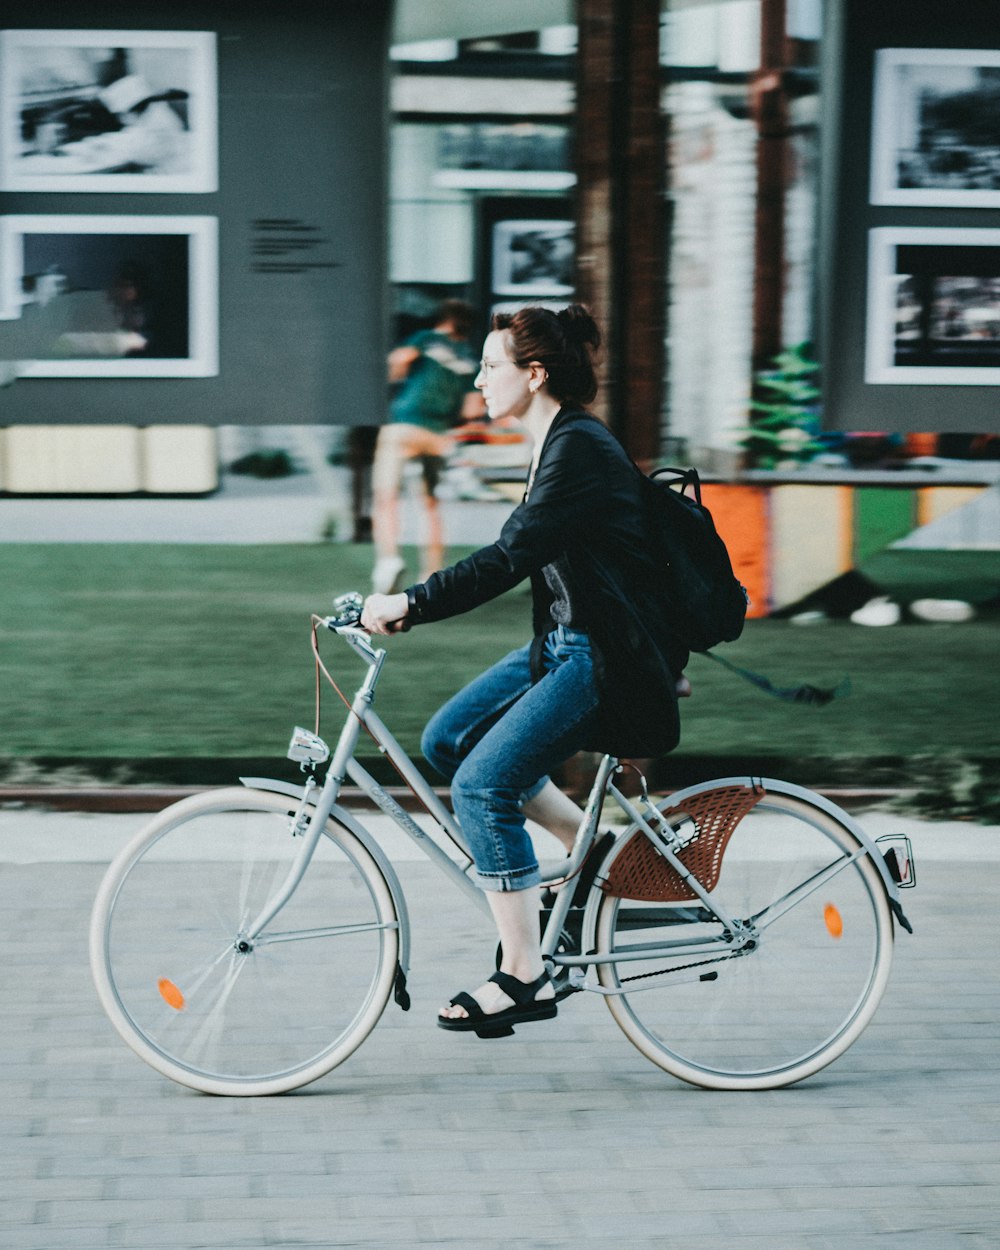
<point x="347" y="614"/>
<point x="346" y="611"/>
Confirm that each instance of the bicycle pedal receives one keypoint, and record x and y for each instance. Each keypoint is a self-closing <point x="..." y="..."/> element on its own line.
<point x="565" y="989"/>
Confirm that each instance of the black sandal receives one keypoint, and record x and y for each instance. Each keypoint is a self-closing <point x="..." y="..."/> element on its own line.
<point x="500" y="1023"/>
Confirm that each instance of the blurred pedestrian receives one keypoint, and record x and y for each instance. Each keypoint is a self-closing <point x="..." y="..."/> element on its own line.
<point x="435" y="370"/>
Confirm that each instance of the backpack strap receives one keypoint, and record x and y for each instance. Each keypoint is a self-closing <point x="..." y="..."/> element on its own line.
<point x="815" y="695"/>
<point x="685" y="477"/>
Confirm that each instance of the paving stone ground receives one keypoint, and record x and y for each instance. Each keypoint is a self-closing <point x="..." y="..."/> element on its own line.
<point x="561" y="1137"/>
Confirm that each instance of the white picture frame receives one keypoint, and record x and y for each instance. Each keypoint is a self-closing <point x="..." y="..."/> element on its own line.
<point x="935" y="134"/>
<point x="113" y="296"/>
<point x="532" y="258"/>
<point x="108" y="110"/>
<point x="933" y="307"/>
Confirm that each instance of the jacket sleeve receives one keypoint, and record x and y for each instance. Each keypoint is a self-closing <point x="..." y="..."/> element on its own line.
<point x="566" y="500"/>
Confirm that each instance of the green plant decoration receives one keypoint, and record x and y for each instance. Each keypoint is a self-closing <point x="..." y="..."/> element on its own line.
<point x="784" y="412"/>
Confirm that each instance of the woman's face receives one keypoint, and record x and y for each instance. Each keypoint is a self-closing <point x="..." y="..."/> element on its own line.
<point x="503" y="383"/>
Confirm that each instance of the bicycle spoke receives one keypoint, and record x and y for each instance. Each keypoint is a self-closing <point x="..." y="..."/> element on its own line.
<point x="342" y="930"/>
<point x="774" y="911"/>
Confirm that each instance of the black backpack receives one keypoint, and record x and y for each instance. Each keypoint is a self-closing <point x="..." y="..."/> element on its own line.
<point x="703" y="601"/>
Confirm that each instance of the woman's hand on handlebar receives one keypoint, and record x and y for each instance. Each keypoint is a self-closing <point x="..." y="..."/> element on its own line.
<point x="385" y="614"/>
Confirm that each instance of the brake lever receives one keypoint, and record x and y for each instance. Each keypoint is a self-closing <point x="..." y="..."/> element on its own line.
<point x="346" y="610"/>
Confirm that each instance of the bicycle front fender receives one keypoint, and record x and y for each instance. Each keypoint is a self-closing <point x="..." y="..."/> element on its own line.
<point x="342" y="816"/>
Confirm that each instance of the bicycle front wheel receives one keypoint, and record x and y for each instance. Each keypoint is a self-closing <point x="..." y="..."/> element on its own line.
<point x="198" y="1001"/>
<point x="796" y="995"/>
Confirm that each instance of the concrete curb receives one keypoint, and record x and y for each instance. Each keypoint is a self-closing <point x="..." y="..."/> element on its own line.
<point x="155" y="798"/>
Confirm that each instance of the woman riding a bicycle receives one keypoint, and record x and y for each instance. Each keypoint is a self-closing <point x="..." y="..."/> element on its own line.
<point x="247" y="939"/>
<point x="602" y="671"/>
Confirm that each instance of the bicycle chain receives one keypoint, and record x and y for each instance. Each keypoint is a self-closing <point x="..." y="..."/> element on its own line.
<point x="698" y="963"/>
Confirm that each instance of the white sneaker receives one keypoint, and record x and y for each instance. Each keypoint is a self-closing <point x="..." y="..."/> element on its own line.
<point x="387" y="574"/>
<point x="943" y="610"/>
<point x="879" y="611"/>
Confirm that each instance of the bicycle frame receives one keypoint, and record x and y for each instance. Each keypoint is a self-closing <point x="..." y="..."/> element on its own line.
<point x="316" y="804"/>
<point x="343" y="765"/>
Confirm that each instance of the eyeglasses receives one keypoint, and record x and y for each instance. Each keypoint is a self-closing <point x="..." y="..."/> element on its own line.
<point x="495" y="364"/>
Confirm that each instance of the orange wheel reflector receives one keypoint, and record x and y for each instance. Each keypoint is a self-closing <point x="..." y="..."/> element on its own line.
<point x="834" y="921"/>
<point x="170" y="994"/>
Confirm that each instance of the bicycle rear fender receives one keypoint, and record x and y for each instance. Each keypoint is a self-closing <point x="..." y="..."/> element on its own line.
<point x="344" y="817"/>
<point x="811" y="799"/>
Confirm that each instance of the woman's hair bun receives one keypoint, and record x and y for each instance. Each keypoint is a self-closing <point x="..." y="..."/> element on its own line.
<point x="562" y="342"/>
<point x="578" y="324"/>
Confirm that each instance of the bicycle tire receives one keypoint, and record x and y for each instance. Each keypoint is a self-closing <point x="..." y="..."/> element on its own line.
<point x="164" y="946"/>
<point x="788" y="1007"/>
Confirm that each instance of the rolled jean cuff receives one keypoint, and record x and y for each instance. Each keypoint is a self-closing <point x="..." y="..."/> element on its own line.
<point x="509" y="882"/>
<point x="529" y="792"/>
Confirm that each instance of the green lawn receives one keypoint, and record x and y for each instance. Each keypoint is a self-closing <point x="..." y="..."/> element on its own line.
<point x="131" y="652"/>
<point x="909" y="573"/>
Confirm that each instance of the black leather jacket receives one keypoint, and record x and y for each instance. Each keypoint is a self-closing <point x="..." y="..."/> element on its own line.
<point x="584" y="505"/>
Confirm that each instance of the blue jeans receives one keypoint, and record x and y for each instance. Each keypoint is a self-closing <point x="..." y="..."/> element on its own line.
<point x="496" y="742"/>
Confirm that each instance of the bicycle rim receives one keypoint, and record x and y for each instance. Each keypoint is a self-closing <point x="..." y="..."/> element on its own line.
<point x="787" y="1007"/>
<point x="166" y="937"/>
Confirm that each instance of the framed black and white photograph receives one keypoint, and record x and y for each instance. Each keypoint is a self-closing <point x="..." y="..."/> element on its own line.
<point x="933" y="307"/>
<point x="108" y="110"/>
<point x="114" y="296"/>
<point x="936" y="128"/>
<point x="532" y="258"/>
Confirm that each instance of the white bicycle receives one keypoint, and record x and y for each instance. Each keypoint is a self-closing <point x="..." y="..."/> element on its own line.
<point x="247" y="940"/>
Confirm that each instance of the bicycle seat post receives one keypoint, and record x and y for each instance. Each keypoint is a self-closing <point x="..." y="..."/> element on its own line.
<point x="595" y="803"/>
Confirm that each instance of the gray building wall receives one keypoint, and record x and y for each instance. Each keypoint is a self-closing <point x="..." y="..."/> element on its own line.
<point x="302" y="135"/>
<point x="855" y="29"/>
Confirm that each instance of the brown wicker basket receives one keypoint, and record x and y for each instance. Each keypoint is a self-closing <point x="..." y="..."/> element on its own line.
<point x="639" y="871"/>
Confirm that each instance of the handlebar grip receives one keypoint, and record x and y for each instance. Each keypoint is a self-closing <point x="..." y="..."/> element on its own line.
<point x="347" y="612"/>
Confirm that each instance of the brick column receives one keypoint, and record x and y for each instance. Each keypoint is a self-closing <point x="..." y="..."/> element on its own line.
<point x="620" y="165"/>
<point x="769" y="96"/>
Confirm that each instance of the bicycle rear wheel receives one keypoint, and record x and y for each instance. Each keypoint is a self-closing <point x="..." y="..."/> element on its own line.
<point x="220" y="1014"/>
<point x="803" y="990"/>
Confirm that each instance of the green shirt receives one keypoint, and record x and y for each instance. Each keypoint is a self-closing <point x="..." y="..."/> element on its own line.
<point x="438" y="381"/>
